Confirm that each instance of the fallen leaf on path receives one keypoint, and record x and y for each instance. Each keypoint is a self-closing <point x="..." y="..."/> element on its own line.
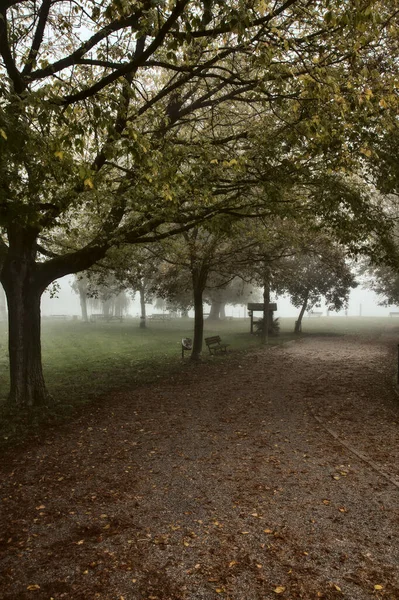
<point x="232" y="563"/>
<point x="33" y="587"/>
<point x="279" y="589"/>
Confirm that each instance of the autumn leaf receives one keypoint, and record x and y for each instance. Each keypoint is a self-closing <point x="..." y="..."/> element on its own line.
<point x="232" y="563"/>
<point x="33" y="587"/>
<point x="3" y="134"/>
<point x="337" y="588"/>
<point x="378" y="587"/>
<point x="59" y="154"/>
<point x="279" y="589"/>
<point x="89" y="183"/>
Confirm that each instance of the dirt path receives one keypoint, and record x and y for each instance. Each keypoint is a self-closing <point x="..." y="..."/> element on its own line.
<point x="265" y="476"/>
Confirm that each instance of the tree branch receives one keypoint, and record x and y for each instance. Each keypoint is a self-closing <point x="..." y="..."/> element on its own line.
<point x="138" y="59"/>
<point x="38" y="37"/>
<point x="68" y="61"/>
<point x="5" y="52"/>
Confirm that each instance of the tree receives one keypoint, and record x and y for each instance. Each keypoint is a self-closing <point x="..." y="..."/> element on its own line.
<point x="194" y="256"/>
<point x="105" y="109"/>
<point x="309" y="277"/>
<point x="218" y="294"/>
<point x="79" y="286"/>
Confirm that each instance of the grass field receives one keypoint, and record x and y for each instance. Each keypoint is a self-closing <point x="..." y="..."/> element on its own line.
<point x="84" y="361"/>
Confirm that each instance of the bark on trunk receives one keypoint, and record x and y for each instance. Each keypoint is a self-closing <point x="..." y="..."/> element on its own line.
<point x="23" y="291"/>
<point x="266" y="312"/>
<point x="83" y="300"/>
<point x="142" y="307"/>
<point x="298" y="322"/>
<point x="222" y="313"/>
<point x="214" y="313"/>
<point x="199" y="277"/>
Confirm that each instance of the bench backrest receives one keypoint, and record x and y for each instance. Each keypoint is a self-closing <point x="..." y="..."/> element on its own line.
<point x="215" y="339"/>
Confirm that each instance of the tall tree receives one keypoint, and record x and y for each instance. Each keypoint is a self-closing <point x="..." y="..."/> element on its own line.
<point x="321" y="272"/>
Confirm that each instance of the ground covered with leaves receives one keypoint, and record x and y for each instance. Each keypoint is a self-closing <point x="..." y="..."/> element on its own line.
<point x="258" y="476"/>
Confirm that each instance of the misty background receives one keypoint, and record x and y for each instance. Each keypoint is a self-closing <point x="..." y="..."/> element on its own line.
<point x="362" y="302"/>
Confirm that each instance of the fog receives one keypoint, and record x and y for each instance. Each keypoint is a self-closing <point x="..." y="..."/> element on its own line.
<point x="362" y="302"/>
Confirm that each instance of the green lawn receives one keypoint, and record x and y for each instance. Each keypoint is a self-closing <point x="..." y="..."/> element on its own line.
<point x="84" y="361"/>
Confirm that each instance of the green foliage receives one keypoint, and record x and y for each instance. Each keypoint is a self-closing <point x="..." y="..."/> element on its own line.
<point x="322" y="272"/>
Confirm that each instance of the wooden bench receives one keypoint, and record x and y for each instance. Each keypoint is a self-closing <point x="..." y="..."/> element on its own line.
<point x="160" y="317"/>
<point x="100" y="317"/>
<point x="394" y="314"/>
<point x="214" y="344"/>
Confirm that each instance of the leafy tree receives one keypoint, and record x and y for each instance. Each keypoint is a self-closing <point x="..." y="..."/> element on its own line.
<point x="193" y="257"/>
<point x="218" y="294"/>
<point x="322" y="273"/>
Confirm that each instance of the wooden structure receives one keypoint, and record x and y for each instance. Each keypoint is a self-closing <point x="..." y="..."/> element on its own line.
<point x="258" y="307"/>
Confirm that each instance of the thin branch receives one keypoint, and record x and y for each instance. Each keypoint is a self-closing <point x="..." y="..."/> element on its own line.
<point x="132" y="66"/>
<point x="5" y="52"/>
<point x="38" y="37"/>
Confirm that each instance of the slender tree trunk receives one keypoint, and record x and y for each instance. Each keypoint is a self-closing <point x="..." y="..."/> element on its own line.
<point x="266" y="302"/>
<point x="18" y="276"/>
<point x="298" y="322"/>
<point x="214" y="313"/>
<point x="82" y="287"/>
<point x="222" y="312"/>
<point x="199" y="277"/>
<point x="142" y="307"/>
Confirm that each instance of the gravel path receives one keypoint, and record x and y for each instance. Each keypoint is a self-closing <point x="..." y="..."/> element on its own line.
<point x="269" y="475"/>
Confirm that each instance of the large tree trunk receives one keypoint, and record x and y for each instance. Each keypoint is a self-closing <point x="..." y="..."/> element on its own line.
<point x="266" y="302"/>
<point x="20" y="281"/>
<point x="298" y="322"/>
<point x="142" y="307"/>
<point x="214" y="313"/>
<point x="82" y="288"/>
<point x="222" y="312"/>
